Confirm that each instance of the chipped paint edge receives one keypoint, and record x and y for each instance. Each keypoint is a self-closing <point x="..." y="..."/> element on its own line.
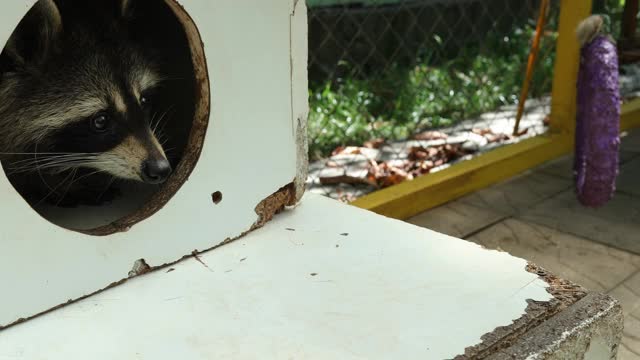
<point x="564" y="294"/>
<point x="563" y="328"/>
<point x="298" y="32"/>
<point x="595" y="319"/>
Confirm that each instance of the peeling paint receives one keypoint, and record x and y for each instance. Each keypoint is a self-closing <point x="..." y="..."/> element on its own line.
<point x="302" y="164"/>
<point x="298" y="43"/>
<point x="140" y="267"/>
<point x="564" y="295"/>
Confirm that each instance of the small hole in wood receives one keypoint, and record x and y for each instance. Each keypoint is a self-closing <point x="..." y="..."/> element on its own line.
<point x="216" y="197"/>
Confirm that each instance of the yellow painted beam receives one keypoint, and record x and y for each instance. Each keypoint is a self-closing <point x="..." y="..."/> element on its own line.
<point x="563" y="100"/>
<point x="630" y="115"/>
<point x="413" y="197"/>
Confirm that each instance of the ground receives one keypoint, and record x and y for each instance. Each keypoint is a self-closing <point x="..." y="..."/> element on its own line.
<point x="536" y="216"/>
<point x="354" y="171"/>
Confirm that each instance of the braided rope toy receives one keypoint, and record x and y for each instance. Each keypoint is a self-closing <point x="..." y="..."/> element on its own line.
<point x="597" y="142"/>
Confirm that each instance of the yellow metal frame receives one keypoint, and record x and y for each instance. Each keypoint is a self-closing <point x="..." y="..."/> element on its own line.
<point x="630" y="117"/>
<point x="413" y="197"/>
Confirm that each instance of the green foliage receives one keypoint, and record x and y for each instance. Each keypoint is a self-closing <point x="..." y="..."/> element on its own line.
<point x="614" y="9"/>
<point x="403" y="100"/>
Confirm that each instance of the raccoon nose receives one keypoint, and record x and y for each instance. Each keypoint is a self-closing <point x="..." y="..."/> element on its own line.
<point x="156" y="171"/>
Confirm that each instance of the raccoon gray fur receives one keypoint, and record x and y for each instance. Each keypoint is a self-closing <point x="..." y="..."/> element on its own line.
<point x="76" y="92"/>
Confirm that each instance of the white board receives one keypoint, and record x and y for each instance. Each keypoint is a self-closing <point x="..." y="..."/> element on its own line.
<point x="322" y="281"/>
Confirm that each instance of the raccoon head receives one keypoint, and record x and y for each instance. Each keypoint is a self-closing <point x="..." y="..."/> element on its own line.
<point x="82" y="92"/>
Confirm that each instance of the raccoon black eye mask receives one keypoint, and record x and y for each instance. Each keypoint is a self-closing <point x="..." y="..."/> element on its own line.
<point x="76" y="92"/>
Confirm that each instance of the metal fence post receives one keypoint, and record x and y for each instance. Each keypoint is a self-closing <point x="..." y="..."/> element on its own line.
<point x="563" y="103"/>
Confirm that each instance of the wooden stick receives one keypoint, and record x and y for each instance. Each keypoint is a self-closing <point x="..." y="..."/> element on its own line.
<point x="533" y="55"/>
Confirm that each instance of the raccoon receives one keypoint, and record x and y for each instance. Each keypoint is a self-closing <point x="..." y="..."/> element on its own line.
<point x="77" y="93"/>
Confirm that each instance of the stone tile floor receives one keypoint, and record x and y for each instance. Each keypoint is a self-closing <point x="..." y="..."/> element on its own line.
<point x="537" y="217"/>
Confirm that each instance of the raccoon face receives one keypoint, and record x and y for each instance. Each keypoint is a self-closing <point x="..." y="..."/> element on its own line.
<point x="113" y="124"/>
<point x="81" y="95"/>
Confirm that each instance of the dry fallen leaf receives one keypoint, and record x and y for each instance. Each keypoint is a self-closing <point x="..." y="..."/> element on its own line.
<point x="431" y="135"/>
<point x="348" y="150"/>
<point x="392" y="179"/>
<point x="420" y="153"/>
<point x="481" y="132"/>
<point x="374" y="144"/>
<point x="493" y="138"/>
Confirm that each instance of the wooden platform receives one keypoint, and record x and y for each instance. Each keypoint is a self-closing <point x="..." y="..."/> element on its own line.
<point x="329" y="281"/>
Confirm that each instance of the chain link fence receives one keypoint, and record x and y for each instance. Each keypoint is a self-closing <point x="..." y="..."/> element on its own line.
<point x="404" y="88"/>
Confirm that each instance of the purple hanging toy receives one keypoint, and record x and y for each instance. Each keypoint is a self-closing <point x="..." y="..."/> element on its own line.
<point x="598" y="116"/>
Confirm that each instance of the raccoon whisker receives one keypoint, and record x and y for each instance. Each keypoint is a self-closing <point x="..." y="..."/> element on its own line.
<point x="48" y="158"/>
<point x="163" y="140"/>
<point x="162" y="137"/>
<point x="46" y="163"/>
<point x="64" y="167"/>
<point x="171" y="111"/>
<point x="73" y="181"/>
<point x="164" y="115"/>
<point x="39" y="153"/>
<point x="113" y="179"/>
<point x="159" y="135"/>
<point x="79" y="163"/>
<point x="53" y="158"/>
<point x="25" y="164"/>
<point x="49" y="164"/>
<point x="155" y="122"/>
<point x="59" y="166"/>
<point x="51" y="190"/>
<point x="75" y="172"/>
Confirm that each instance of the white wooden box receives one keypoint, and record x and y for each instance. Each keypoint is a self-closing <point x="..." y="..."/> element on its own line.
<point x="251" y="61"/>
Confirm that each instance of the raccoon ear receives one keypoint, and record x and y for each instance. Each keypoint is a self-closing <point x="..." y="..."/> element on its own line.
<point x="125" y="8"/>
<point x="49" y="10"/>
<point x="36" y="34"/>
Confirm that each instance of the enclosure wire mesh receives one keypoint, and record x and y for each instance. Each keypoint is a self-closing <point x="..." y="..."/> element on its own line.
<point x="404" y="88"/>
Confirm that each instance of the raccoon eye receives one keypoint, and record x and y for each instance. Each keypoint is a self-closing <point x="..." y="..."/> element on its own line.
<point x="145" y="101"/>
<point x="99" y="123"/>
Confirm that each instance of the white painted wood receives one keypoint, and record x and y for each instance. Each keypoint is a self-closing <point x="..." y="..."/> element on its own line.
<point x="387" y="290"/>
<point x="249" y="152"/>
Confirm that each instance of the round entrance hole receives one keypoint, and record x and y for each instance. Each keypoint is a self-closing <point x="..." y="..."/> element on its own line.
<point x="123" y="89"/>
